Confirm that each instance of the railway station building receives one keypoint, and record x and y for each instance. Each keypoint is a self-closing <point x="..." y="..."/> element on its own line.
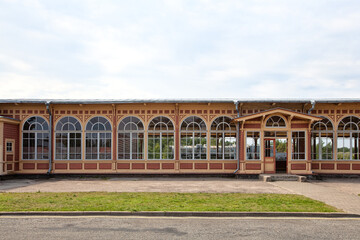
<point x="180" y="136"/>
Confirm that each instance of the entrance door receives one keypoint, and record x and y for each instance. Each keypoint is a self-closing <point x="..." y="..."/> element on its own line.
<point x="275" y="155"/>
<point x="269" y="156"/>
<point x="281" y="155"/>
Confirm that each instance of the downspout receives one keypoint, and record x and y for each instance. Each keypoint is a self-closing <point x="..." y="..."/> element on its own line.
<point x="312" y="106"/>
<point x="50" y="136"/>
<point x="237" y="137"/>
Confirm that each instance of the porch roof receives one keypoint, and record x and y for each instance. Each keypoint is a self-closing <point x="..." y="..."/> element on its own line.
<point x="9" y="120"/>
<point x="282" y="111"/>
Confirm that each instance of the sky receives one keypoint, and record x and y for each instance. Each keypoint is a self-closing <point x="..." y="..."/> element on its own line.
<point x="87" y="49"/>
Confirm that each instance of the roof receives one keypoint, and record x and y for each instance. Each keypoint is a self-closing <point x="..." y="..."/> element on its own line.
<point x="277" y="111"/>
<point x="9" y="120"/>
<point x="181" y="100"/>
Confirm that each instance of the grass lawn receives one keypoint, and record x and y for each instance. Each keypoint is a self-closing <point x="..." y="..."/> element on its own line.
<point x="105" y="201"/>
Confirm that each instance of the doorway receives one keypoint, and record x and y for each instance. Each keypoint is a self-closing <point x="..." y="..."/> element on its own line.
<point x="281" y="155"/>
<point x="275" y="155"/>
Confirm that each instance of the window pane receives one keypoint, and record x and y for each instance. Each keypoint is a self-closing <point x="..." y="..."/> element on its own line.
<point x="253" y="145"/>
<point x="298" y="145"/>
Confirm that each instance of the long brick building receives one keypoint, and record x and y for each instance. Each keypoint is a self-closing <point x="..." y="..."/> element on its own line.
<point x="212" y="136"/>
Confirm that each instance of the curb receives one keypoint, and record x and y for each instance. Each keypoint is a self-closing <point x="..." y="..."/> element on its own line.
<point x="186" y="214"/>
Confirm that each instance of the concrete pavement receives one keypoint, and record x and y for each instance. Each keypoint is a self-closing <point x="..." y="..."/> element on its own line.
<point x="340" y="193"/>
<point x="211" y="185"/>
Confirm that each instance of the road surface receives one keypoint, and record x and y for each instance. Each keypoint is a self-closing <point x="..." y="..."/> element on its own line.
<point x="86" y="227"/>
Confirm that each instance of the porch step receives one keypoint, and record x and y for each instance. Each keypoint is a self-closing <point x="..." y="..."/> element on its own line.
<point x="281" y="177"/>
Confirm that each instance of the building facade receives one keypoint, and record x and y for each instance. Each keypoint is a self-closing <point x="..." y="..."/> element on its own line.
<point x="180" y="136"/>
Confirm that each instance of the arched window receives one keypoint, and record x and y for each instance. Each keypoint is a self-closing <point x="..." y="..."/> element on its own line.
<point x="161" y="139"/>
<point x="322" y="140"/>
<point x="348" y="138"/>
<point x="68" y="139"/>
<point x="98" y="138"/>
<point x="131" y="138"/>
<point x="193" y="138"/>
<point x="223" y="139"/>
<point x="35" y="138"/>
<point x="275" y="122"/>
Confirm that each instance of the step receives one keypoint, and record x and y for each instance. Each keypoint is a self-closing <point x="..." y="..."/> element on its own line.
<point x="281" y="177"/>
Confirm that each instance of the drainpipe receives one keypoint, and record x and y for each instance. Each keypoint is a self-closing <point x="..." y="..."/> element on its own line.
<point x="50" y="136"/>
<point x="237" y="137"/>
<point x="312" y="106"/>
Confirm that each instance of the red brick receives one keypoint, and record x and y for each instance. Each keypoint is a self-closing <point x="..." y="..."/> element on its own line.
<point x="123" y="165"/>
<point x="75" y="165"/>
<point x="153" y="166"/>
<point x="104" y="165"/>
<point x="230" y="166"/>
<point x="9" y="167"/>
<point x="253" y="166"/>
<point x="60" y="166"/>
<point x="17" y="167"/>
<point x="343" y="166"/>
<point x="252" y="125"/>
<point x="315" y="166"/>
<point x="186" y="166"/>
<point x="298" y="166"/>
<point x="138" y="166"/>
<point x="201" y="166"/>
<point x="299" y="125"/>
<point x="167" y="166"/>
<point x="356" y="166"/>
<point x="328" y="166"/>
<point x="28" y="165"/>
<point x="9" y="158"/>
<point x="90" y="165"/>
<point x="42" y="166"/>
<point x="11" y="131"/>
<point x="215" y="165"/>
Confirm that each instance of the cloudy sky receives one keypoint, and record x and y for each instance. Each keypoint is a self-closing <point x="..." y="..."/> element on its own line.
<point x="179" y="49"/>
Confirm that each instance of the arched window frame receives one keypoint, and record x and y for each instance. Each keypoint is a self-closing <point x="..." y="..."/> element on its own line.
<point x="36" y="138"/>
<point x="131" y="140"/>
<point x="98" y="142"/>
<point x="348" y="138"/>
<point x="220" y="135"/>
<point x="68" y="142"/>
<point x="275" y="123"/>
<point x="161" y="142"/>
<point x="193" y="142"/>
<point x="320" y="135"/>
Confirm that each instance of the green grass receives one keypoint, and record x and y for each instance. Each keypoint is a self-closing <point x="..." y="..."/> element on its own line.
<point x="104" y="201"/>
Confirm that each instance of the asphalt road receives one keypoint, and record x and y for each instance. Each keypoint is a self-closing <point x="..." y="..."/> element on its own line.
<point x="176" y="228"/>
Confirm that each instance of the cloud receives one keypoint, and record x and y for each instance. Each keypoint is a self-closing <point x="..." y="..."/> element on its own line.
<point x="167" y="49"/>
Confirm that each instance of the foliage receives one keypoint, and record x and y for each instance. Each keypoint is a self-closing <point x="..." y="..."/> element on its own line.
<point x="281" y="146"/>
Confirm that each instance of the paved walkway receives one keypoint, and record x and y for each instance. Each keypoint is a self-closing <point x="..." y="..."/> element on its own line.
<point x="340" y="193"/>
<point x="212" y="185"/>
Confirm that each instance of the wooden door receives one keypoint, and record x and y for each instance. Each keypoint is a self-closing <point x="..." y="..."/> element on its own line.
<point x="270" y="164"/>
